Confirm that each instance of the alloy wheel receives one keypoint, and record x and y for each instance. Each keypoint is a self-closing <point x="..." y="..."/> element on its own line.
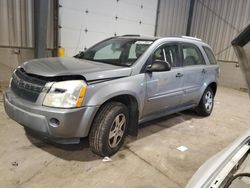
<point x="117" y="130"/>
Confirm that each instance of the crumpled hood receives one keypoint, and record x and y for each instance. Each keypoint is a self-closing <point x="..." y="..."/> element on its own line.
<point x="90" y="70"/>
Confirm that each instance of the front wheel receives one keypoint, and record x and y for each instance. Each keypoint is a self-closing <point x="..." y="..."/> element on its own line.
<point x="109" y="128"/>
<point x="206" y="104"/>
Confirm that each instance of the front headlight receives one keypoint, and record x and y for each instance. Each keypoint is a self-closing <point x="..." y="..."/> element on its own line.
<point x="66" y="94"/>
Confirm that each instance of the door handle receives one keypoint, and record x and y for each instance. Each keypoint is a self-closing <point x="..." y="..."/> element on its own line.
<point x="204" y="71"/>
<point x="178" y="75"/>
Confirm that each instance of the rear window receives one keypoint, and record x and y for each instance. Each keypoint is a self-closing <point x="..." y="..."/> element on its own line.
<point x="210" y="55"/>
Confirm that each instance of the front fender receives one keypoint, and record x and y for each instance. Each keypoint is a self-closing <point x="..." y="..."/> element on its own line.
<point x="97" y="94"/>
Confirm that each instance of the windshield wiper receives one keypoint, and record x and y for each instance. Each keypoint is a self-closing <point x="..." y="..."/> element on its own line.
<point x="111" y="63"/>
<point x="79" y="55"/>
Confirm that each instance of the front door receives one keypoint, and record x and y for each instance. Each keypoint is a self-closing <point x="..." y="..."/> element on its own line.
<point x="164" y="88"/>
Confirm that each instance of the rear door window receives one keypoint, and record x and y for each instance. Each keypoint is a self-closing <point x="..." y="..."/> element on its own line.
<point x="192" y="55"/>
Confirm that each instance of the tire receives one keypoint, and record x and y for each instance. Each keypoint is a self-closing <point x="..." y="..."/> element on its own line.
<point x="109" y="128"/>
<point x="206" y="104"/>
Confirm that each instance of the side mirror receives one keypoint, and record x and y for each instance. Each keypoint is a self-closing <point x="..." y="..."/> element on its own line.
<point x="158" y="66"/>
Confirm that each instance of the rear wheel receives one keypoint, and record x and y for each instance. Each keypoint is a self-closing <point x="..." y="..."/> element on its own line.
<point x="109" y="128"/>
<point x="206" y="104"/>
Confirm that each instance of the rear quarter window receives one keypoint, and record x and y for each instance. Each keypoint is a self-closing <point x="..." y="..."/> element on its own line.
<point x="210" y="55"/>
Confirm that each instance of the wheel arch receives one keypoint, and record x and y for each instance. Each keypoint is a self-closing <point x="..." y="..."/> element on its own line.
<point x="131" y="102"/>
<point x="200" y="108"/>
<point x="213" y="86"/>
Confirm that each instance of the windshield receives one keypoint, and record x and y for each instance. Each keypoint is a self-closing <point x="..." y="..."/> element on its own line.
<point x="117" y="51"/>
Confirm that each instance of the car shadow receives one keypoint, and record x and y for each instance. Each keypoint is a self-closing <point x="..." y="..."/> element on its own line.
<point x="82" y="152"/>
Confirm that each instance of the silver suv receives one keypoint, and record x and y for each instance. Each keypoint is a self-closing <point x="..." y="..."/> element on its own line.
<point x="108" y="90"/>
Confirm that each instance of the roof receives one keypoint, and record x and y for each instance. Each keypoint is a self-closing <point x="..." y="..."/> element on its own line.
<point x="142" y="37"/>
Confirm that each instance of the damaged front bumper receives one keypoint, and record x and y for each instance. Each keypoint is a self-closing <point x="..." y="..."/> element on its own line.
<point x="57" y="124"/>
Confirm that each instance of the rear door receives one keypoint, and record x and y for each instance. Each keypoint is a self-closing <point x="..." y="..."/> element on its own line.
<point x="164" y="88"/>
<point x="194" y="71"/>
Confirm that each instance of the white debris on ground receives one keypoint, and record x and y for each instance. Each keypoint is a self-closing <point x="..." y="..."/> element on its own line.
<point x="182" y="148"/>
<point x="106" y="159"/>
